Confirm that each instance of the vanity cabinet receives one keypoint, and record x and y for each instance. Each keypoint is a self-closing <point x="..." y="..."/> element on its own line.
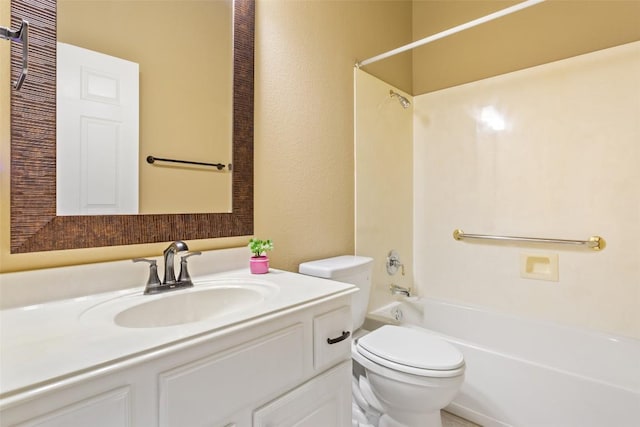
<point x="287" y="368"/>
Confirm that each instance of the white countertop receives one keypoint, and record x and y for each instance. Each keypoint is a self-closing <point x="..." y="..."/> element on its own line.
<point x="45" y="343"/>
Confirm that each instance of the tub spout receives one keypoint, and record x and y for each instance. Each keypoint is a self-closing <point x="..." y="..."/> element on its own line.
<point x="399" y="290"/>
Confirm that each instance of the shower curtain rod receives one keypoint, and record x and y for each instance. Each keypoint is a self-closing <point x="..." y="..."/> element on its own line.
<point x="450" y="31"/>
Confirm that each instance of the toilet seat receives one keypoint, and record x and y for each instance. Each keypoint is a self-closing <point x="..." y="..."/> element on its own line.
<point x="411" y="351"/>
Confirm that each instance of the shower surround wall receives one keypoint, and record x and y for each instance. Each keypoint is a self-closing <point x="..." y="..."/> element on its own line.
<point x="550" y="151"/>
<point x="383" y="150"/>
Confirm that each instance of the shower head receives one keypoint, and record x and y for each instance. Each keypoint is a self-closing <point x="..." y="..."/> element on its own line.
<point x="403" y="101"/>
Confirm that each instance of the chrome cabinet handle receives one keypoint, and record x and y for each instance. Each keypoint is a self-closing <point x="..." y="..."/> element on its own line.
<point x="344" y="336"/>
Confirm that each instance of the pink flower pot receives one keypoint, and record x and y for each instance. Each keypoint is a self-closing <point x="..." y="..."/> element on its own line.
<point x="259" y="265"/>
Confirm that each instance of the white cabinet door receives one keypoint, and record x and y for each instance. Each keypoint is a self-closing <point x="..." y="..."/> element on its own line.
<point x="205" y="392"/>
<point x="322" y="402"/>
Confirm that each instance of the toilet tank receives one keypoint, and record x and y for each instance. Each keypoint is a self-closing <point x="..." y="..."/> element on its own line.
<point x="352" y="269"/>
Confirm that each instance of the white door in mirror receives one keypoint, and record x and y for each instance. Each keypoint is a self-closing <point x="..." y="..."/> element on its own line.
<point x="97" y="133"/>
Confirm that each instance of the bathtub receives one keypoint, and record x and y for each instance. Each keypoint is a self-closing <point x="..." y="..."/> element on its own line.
<point x="523" y="372"/>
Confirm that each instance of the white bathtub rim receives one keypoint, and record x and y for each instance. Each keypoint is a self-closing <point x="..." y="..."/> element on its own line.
<point x="543" y="322"/>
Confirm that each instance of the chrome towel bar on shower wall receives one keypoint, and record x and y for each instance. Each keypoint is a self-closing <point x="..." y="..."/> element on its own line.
<point x="595" y="243"/>
<point x="20" y="36"/>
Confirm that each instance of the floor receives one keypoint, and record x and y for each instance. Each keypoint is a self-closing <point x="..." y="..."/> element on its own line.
<point x="450" y="420"/>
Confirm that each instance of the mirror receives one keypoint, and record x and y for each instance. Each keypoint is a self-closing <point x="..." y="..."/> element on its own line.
<point x="115" y="108"/>
<point x="34" y="224"/>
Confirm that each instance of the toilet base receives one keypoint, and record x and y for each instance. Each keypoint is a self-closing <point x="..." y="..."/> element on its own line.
<point x="368" y="413"/>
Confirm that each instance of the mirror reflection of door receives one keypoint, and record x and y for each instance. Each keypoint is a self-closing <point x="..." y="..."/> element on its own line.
<point x="97" y="133"/>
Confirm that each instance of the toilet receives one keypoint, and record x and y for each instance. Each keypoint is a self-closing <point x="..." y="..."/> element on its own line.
<point x="409" y="374"/>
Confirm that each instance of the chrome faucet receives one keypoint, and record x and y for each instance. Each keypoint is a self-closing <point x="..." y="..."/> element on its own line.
<point x="399" y="290"/>
<point x="169" y="253"/>
<point x="154" y="285"/>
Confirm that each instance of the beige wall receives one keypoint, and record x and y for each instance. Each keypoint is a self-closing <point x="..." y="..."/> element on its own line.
<point x="189" y="119"/>
<point x="565" y="166"/>
<point x="384" y="183"/>
<point x="305" y="51"/>
<point x="546" y="32"/>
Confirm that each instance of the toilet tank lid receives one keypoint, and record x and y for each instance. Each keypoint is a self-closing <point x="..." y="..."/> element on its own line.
<point x="330" y="268"/>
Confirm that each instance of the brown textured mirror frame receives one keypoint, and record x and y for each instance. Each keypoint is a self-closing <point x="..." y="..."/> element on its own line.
<point x="34" y="224"/>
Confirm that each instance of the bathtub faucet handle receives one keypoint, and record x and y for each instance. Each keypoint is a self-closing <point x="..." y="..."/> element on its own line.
<point x="393" y="263"/>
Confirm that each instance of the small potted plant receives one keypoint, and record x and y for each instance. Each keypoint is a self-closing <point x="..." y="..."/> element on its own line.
<point x="259" y="262"/>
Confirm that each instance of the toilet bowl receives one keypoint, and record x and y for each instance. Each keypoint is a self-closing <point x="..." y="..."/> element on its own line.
<point x="410" y="374"/>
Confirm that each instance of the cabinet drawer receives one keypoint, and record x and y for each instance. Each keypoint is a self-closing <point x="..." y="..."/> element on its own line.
<point x="206" y="391"/>
<point x="332" y="337"/>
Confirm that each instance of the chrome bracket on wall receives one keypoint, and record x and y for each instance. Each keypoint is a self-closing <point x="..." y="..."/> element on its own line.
<point x="20" y="36"/>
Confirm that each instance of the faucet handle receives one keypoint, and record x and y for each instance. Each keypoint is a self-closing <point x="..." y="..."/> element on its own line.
<point x="393" y="263"/>
<point x="192" y="253"/>
<point x="183" y="278"/>
<point x="153" y="282"/>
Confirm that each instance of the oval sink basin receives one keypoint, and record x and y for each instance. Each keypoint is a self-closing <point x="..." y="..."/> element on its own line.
<point x="180" y="307"/>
